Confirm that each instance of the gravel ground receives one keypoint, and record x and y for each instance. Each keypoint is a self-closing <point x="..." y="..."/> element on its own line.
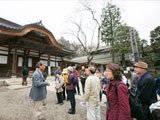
<point x="16" y="105"/>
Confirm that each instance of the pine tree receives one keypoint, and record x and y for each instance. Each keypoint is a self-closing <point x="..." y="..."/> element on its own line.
<point x="111" y="20"/>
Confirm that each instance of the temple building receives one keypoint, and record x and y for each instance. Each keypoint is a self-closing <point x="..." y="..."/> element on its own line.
<point x="25" y="46"/>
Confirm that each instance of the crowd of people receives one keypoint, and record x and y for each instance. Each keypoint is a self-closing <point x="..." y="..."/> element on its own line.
<point x="112" y="83"/>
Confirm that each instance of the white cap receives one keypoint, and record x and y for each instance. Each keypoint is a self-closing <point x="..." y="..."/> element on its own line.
<point x="70" y="69"/>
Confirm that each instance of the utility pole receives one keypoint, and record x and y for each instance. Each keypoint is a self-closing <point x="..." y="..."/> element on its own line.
<point x="135" y="52"/>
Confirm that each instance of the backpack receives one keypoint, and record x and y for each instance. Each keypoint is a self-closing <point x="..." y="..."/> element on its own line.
<point x="134" y="103"/>
<point x="158" y="85"/>
<point x="75" y="79"/>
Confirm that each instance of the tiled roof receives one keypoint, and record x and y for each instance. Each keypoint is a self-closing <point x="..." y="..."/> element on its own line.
<point x="99" y="59"/>
<point x="13" y="27"/>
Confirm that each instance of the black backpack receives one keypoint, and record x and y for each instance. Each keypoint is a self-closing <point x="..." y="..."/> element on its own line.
<point x="134" y="103"/>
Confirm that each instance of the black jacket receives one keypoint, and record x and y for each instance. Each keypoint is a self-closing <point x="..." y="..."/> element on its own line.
<point x="25" y="72"/>
<point x="146" y="89"/>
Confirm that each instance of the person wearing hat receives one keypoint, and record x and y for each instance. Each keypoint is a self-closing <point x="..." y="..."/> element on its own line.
<point x="146" y="88"/>
<point x="70" y="90"/>
<point x="91" y="96"/>
<point x="65" y="76"/>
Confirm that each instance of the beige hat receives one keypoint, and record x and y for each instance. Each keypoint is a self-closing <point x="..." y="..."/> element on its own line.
<point x="70" y="69"/>
<point x="142" y="65"/>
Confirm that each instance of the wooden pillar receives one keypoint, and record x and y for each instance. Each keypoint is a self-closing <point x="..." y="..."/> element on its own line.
<point x="49" y="67"/>
<point x="55" y="61"/>
<point x="14" y="64"/>
<point x="39" y="56"/>
<point x="25" y="57"/>
<point x="9" y="50"/>
<point x="9" y="73"/>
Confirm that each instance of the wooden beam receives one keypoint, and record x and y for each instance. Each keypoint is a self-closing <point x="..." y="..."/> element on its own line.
<point x="25" y="40"/>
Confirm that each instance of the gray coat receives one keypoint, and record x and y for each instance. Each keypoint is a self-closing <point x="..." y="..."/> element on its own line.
<point x="38" y="90"/>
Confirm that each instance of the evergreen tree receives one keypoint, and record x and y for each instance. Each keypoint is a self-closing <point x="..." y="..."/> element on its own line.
<point x="111" y="20"/>
<point x="155" y="45"/>
<point x="122" y="44"/>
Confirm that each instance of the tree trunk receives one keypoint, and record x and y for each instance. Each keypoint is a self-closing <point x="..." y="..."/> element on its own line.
<point x="89" y="58"/>
<point x="123" y="60"/>
<point x="113" y="55"/>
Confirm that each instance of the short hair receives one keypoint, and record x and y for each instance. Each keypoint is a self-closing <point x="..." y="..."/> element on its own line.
<point x="39" y="64"/>
<point x="116" y="70"/>
<point x="132" y="69"/>
<point x="92" y="69"/>
<point x="59" y="73"/>
<point x="98" y="69"/>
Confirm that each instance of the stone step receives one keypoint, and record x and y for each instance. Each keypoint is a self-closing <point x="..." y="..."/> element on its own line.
<point x="16" y="87"/>
<point x="1" y="82"/>
<point x="15" y="81"/>
<point x="18" y="81"/>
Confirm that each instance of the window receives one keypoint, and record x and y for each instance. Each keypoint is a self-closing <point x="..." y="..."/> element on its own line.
<point x="3" y="59"/>
<point x="30" y="62"/>
<point x="20" y="61"/>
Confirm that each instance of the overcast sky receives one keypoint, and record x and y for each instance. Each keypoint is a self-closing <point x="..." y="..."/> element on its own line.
<point x="144" y="15"/>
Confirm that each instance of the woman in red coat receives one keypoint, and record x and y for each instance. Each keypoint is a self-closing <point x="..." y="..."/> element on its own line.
<point x="118" y="105"/>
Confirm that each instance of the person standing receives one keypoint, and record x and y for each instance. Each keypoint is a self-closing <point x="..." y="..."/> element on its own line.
<point x="71" y="90"/>
<point x="146" y="88"/>
<point x="24" y="75"/>
<point x="58" y="70"/>
<point x="133" y="79"/>
<point x="65" y="76"/>
<point x="99" y="75"/>
<point x="117" y="105"/>
<point x="83" y="78"/>
<point x="92" y="88"/>
<point x="77" y="74"/>
<point x="59" y="89"/>
<point x="45" y="74"/>
<point x="38" y="91"/>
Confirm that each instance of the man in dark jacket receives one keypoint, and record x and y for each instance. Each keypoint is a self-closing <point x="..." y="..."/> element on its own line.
<point x="24" y="75"/>
<point x="146" y="88"/>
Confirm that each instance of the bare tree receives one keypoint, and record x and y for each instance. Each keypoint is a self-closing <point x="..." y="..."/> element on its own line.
<point x="81" y="36"/>
<point x="77" y="49"/>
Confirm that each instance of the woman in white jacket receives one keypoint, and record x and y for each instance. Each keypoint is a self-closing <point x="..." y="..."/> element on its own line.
<point x="59" y="90"/>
